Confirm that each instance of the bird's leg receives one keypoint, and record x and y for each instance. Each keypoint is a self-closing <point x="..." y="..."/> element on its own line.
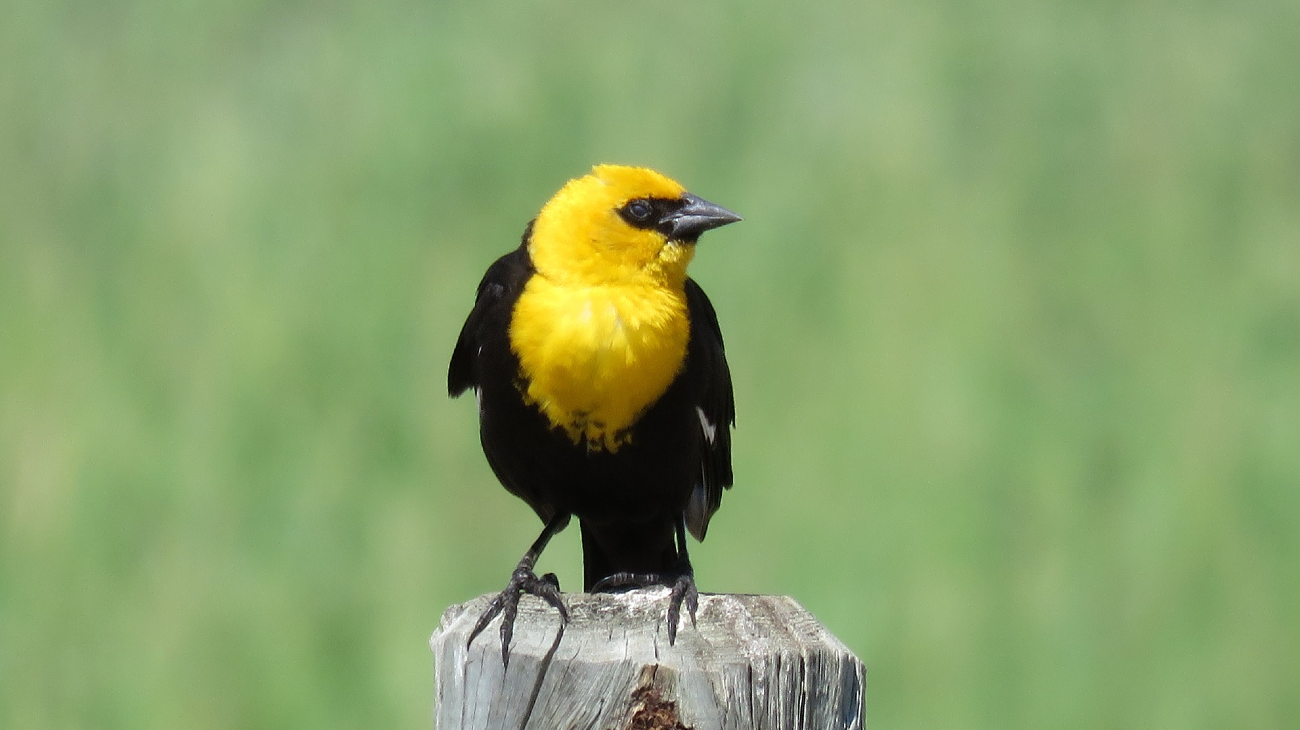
<point x="522" y="581"/>
<point x="683" y="586"/>
<point x="681" y="581"/>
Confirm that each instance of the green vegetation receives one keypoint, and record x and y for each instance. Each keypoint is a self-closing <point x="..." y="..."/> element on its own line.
<point x="1014" y="320"/>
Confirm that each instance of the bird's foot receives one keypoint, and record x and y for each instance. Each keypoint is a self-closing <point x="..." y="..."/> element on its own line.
<point x="683" y="591"/>
<point x="506" y="603"/>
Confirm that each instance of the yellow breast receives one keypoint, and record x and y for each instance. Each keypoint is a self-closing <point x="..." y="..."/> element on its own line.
<point x="593" y="358"/>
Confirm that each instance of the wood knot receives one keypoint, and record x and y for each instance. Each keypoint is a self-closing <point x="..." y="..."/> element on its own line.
<point x="653" y="712"/>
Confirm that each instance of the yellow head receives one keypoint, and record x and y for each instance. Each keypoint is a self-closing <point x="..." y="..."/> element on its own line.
<point x="621" y="224"/>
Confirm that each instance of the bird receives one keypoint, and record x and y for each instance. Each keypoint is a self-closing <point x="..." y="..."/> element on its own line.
<point x="603" y="387"/>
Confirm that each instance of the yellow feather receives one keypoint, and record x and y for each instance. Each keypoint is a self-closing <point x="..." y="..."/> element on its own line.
<point x="601" y="329"/>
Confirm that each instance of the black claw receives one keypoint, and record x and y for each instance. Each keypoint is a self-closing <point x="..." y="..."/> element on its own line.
<point x="683" y="591"/>
<point x="506" y="604"/>
<point x="693" y="604"/>
<point x="508" y="627"/>
<point x="551" y="594"/>
<point x="489" y="613"/>
<point x="622" y="581"/>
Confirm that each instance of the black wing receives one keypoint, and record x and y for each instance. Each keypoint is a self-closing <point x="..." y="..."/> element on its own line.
<point x="500" y="287"/>
<point x="715" y="407"/>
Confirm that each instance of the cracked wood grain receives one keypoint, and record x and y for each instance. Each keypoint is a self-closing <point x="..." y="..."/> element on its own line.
<point x="754" y="663"/>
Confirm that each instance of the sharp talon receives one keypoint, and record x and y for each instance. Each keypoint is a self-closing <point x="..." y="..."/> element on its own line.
<point x="489" y="613"/>
<point x="552" y="579"/>
<point x="552" y="596"/>
<point x="683" y="592"/>
<point x="506" y="605"/>
<point x="610" y="581"/>
<point x="692" y="602"/>
<point x="508" y="629"/>
<point x="627" y="581"/>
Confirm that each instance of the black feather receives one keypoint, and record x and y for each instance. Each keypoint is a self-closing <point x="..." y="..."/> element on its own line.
<point x="628" y="501"/>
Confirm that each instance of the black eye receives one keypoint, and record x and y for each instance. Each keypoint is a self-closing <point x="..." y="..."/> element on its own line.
<point x="640" y="210"/>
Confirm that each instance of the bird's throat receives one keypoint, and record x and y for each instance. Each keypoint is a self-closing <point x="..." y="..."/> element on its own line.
<point x="592" y="359"/>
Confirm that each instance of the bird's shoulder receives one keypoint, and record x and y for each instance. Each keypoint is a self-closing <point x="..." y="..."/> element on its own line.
<point x="506" y="277"/>
<point x="496" y="293"/>
<point x="703" y="316"/>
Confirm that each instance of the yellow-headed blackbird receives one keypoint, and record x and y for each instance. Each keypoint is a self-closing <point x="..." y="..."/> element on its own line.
<point x="603" y="391"/>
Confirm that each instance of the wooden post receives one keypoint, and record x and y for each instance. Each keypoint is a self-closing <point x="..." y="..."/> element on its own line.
<point x="753" y="663"/>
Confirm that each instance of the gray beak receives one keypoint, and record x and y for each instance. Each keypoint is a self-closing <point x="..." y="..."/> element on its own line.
<point x="695" y="217"/>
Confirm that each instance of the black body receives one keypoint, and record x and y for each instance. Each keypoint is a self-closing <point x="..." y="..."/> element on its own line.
<point x="631" y="501"/>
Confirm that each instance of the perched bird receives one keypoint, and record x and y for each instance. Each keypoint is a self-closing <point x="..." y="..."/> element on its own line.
<point x="603" y="391"/>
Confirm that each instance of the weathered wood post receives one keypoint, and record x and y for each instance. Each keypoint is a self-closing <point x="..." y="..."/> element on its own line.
<point x="753" y="663"/>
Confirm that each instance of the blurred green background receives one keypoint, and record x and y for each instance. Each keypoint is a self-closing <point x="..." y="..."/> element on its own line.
<point x="1014" y="320"/>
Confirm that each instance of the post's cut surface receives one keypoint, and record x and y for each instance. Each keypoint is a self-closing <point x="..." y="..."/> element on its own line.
<point x="754" y="663"/>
